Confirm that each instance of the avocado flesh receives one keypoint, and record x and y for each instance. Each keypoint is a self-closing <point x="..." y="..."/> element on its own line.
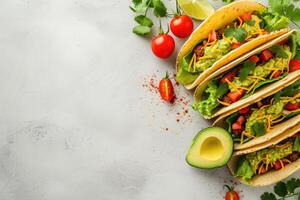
<point x="211" y="148"/>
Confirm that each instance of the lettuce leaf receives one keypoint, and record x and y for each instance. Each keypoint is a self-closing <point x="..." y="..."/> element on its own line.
<point x="296" y="146"/>
<point x="274" y="21"/>
<point x="244" y="169"/>
<point x="183" y="76"/>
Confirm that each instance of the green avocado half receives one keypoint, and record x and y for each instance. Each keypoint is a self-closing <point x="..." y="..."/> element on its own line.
<point x="211" y="148"/>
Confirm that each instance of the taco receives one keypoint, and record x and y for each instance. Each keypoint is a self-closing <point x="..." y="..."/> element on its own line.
<point x="263" y="71"/>
<point x="230" y="32"/>
<point x="263" y="120"/>
<point x="270" y="162"/>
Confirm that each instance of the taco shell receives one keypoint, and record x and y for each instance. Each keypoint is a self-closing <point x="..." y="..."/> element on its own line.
<point x="272" y="176"/>
<point x="219" y="19"/>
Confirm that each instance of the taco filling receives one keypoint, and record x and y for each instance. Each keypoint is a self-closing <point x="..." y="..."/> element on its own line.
<point x="259" y="119"/>
<point x="259" y="70"/>
<point x="220" y="42"/>
<point x="272" y="158"/>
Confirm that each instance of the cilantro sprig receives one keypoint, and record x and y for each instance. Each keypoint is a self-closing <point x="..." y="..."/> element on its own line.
<point x="141" y="8"/>
<point x="283" y="190"/>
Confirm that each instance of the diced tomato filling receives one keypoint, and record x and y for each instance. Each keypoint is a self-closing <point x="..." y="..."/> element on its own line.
<point x="245" y="110"/>
<point x="291" y="106"/>
<point x="266" y="55"/>
<point x="277" y="74"/>
<point x="241" y="119"/>
<point x="246" y="17"/>
<point x="294" y="65"/>
<point x="262" y="170"/>
<point x="229" y="76"/>
<point x="235" y="96"/>
<point x="254" y="58"/>
<point x="236" y="45"/>
<point x="278" y="165"/>
<point x="212" y="36"/>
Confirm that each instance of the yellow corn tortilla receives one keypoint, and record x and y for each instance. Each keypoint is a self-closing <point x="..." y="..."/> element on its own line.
<point x="272" y="176"/>
<point x="257" y="96"/>
<point x="219" y="19"/>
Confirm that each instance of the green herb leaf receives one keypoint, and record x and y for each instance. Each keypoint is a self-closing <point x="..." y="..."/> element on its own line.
<point x="248" y="66"/>
<point x="293" y="184"/>
<point x="239" y="34"/>
<point x="160" y="9"/>
<point x="222" y="90"/>
<point x="279" y="51"/>
<point x="296" y="146"/>
<point x="280" y="189"/>
<point x="143" y="20"/>
<point x="139" y="6"/>
<point x="250" y="22"/>
<point x="258" y="128"/>
<point x="228" y="1"/>
<point x="268" y="196"/>
<point x="244" y="169"/>
<point x="141" y="30"/>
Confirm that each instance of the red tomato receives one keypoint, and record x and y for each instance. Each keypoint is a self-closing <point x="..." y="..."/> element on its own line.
<point x="236" y="127"/>
<point x="254" y="58"/>
<point x="236" y="45"/>
<point x="235" y="96"/>
<point x="244" y="111"/>
<point x="212" y="36"/>
<point x="277" y="74"/>
<point x="294" y="65"/>
<point x="163" y="45"/>
<point x="182" y="26"/>
<point x="291" y="106"/>
<point x="241" y="120"/>
<point x="263" y="170"/>
<point x="266" y="55"/>
<point x="229" y="76"/>
<point x="231" y="194"/>
<point x="277" y="165"/>
<point x="166" y="89"/>
<point x="246" y="17"/>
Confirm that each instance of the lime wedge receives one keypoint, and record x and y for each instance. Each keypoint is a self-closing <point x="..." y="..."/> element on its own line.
<point x="197" y="9"/>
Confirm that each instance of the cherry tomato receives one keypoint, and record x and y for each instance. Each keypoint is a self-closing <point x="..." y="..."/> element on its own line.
<point x="236" y="45"/>
<point x="254" y="58"/>
<point x="231" y="194"/>
<point x="244" y="110"/>
<point x="277" y="74"/>
<point x="182" y="26"/>
<point x="277" y="165"/>
<point x="166" y="89"/>
<point x="291" y="106"/>
<point x="212" y="36"/>
<point x="246" y="17"/>
<point x="163" y="45"/>
<point x="235" y="96"/>
<point x="229" y="76"/>
<point x="241" y="120"/>
<point x="266" y="55"/>
<point x="294" y="65"/>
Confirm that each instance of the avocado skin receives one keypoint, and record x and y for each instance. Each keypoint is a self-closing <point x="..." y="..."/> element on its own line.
<point x="199" y="134"/>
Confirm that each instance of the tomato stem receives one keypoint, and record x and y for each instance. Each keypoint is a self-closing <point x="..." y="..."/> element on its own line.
<point x="167" y="75"/>
<point x="228" y="187"/>
<point x="178" y="12"/>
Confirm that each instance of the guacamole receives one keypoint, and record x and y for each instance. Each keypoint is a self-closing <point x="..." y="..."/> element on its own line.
<point x="258" y="116"/>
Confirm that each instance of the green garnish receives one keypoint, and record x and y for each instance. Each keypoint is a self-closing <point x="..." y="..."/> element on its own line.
<point x="248" y="66"/>
<point x="283" y="190"/>
<point x="239" y="34"/>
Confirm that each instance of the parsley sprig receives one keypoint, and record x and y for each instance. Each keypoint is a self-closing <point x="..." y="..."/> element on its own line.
<point x="283" y="190"/>
<point x="142" y="8"/>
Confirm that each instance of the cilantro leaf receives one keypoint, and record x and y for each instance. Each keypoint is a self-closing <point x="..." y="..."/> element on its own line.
<point x="160" y="9"/>
<point x="141" y="30"/>
<point x="143" y="20"/>
<point x="248" y="66"/>
<point x="222" y="90"/>
<point x="296" y="146"/>
<point x="279" y="51"/>
<point x="292" y="184"/>
<point x="268" y="196"/>
<point x="239" y="34"/>
<point x="140" y="6"/>
<point x="280" y="189"/>
<point x="259" y="128"/>
<point x="250" y="22"/>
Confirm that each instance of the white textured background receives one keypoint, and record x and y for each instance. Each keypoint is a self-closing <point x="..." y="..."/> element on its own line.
<point x="75" y="121"/>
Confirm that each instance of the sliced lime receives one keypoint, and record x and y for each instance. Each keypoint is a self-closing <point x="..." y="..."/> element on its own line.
<point x="197" y="9"/>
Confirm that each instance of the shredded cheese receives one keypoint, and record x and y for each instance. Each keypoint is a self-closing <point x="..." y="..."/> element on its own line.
<point x="223" y="103"/>
<point x="235" y="87"/>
